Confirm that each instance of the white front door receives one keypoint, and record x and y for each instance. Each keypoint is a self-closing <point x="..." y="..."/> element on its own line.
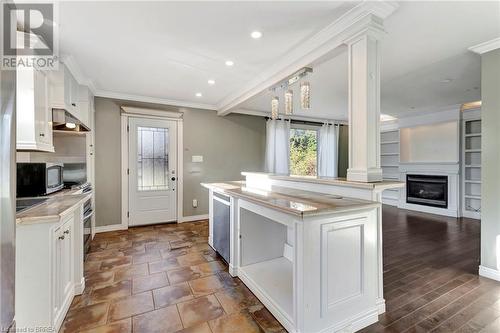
<point x="152" y="147"/>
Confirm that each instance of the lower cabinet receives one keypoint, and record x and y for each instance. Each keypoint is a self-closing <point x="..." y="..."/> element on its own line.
<point x="49" y="270"/>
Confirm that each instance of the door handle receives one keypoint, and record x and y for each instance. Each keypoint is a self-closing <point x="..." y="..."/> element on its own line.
<point x="173" y="179"/>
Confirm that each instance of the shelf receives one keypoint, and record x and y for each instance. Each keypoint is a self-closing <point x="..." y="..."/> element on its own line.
<point x="472" y="135"/>
<point x="476" y="197"/>
<point x="274" y="278"/>
<point x="472" y="150"/>
<point x="389" y="142"/>
<point x="472" y="181"/>
<point x="389" y="154"/>
<point x="390" y="165"/>
<point x="473" y="165"/>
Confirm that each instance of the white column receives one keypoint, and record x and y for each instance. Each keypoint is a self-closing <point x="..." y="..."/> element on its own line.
<point x="364" y="106"/>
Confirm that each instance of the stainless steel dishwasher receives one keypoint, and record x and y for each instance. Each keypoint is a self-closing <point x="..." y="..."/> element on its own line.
<point x="222" y="219"/>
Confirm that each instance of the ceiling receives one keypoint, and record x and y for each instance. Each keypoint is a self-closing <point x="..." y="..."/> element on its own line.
<point x="166" y="51"/>
<point x="426" y="46"/>
<point x="169" y="50"/>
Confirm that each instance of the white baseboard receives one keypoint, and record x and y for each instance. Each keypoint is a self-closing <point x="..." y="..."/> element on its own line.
<point x="489" y="273"/>
<point x="111" y="227"/>
<point x="80" y="287"/>
<point x="381" y="305"/>
<point x="193" y="218"/>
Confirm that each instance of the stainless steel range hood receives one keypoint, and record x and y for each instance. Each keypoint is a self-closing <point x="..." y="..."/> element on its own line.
<point x="62" y="120"/>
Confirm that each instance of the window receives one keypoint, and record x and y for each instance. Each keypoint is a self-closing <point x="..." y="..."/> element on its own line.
<point x="152" y="159"/>
<point x="303" y="151"/>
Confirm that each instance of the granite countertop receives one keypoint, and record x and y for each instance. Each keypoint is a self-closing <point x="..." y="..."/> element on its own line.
<point x="51" y="210"/>
<point x="329" y="181"/>
<point x="291" y="201"/>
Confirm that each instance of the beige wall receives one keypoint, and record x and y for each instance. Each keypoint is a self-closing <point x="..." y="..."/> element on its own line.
<point x="490" y="193"/>
<point x="228" y="145"/>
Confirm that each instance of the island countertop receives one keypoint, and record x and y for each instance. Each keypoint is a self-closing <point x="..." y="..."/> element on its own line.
<point x="51" y="210"/>
<point x="292" y="201"/>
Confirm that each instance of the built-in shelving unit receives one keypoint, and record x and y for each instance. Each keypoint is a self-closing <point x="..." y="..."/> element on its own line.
<point x="471" y="171"/>
<point x="389" y="161"/>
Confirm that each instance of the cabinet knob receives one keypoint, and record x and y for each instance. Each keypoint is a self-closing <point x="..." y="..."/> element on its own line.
<point x="61" y="237"/>
<point x="173" y="179"/>
<point x="66" y="232"/>
<point x="42" y="134"/>
<point x="74" y="104"/>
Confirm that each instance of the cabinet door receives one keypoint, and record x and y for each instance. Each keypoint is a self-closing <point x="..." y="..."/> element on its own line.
<point x="43" y="112"/>
<point x="56" y="272"/>
<point x="74" y="93"/>
<point x="67" y="87"/>
<point x="67" y="260"/>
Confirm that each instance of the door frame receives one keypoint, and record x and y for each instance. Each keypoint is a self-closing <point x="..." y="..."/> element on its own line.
<point x="126" y="113"/>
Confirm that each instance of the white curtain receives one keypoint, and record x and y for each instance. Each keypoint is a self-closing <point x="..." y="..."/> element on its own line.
<point x="328" y="151"/>
<point x="277" y="146"/>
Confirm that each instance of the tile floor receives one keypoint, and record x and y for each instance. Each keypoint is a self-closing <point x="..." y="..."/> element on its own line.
<point x="163" y="278"/>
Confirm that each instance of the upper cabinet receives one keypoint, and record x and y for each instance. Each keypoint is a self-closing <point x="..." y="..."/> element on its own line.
<point x="85" y="105"/>
<point x="64" y="91"/>
<point x="34" y="114"/>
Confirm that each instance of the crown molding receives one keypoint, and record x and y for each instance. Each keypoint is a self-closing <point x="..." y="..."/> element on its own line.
<point x="486" y="46"/>
<point x="75" y="69"/>
<point x="367" y="15"/>
<point x="153" y="100"/>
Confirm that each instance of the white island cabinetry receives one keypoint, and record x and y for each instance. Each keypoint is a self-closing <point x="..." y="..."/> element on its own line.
<point x="313" y="259"/>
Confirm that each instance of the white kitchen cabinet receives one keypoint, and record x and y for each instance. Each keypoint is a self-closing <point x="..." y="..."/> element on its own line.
<point x="49" y="268"/>
<point x="64" y="91"/>
<point x="86" y="106"/>
<point x="34" y="114"/>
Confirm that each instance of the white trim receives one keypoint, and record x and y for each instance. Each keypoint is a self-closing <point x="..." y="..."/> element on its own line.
<point x="365" y="15"/>
<point x="124" y="164"/>
<point x="130" y="111"/>
<point x="489" y="273"/>
<point x="259" y="113"/>
<point x="486" y="46"/>
<point x="111" y="227"/>
<point x="154" y="114"/>
<point x="193" y="218"/>
<point x="75" y="70"/>
<point x="155" y="100"/>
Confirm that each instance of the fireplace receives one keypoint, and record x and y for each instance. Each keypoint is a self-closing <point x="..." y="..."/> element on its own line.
<point x="427" y="190"/>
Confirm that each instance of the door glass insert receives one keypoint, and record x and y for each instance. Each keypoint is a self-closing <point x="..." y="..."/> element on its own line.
<point x="152" y="159"/>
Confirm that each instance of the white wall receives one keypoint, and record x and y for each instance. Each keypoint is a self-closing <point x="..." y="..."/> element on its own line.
<point x="430" y="143"/>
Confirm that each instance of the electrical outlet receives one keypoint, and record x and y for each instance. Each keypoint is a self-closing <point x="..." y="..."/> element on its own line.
<point x="195" y="203"/>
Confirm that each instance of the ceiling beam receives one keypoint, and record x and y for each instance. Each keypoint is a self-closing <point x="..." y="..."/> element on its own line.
<point x="325" y="41"/>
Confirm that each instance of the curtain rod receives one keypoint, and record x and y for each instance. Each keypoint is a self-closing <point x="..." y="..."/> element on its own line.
<point x="308" y="122"/>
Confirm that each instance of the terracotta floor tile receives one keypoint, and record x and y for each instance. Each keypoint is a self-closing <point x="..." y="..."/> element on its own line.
<point x="200" y="328"/>
<point x="235" y="299"/>
<point x="116" y="290"/>
<point x="183" y="274"/>
<point x="133" y="250"/>
<point x="199" y="310"/>
<point x="146" y="257"/>
<point x="227" y="280"/>
<point x="105" y="254"/>
<point x="211" y="267"/>
<point x="163" y="265"/>
<point x="149" y="282"/>
<point x="163" y="320"/>
<point x="172" y="295"/>
<point x="122" y="326"/>
<point x="131" y="272"/>
<point x="91" y="266"/>
<point x="177" y="244"/>
<point x="174" y="253"/>
<point x="161" y="245"/>
<point x="265" y="319"/>
<point x="206" y="285"/>
<point x="116" y="262"/>
<point x="119" y="245"/>
<point x="85" y="317"/>
<point x="131" y="306"/>
<point x="235" y="323"/>
<point x="191" y="259"/>
<point x="99" y="278"/>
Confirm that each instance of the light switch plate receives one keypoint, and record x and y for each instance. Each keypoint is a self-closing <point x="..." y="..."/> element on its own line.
<point x="197" y="158"/>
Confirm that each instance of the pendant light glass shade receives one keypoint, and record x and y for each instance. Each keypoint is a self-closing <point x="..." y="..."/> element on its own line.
<point x="305" y="95"/>
<point x="289" y="102"/>
<point x="275" y="104"/>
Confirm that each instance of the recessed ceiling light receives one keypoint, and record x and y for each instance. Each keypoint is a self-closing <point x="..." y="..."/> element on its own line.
<point x="198" y="95"/>
<point x="229" y="63"/>
<point x="211" y="82"/>
<point x="256" y="34"/>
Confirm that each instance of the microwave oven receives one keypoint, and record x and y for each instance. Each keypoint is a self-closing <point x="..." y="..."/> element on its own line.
<point x="36" y="179"/>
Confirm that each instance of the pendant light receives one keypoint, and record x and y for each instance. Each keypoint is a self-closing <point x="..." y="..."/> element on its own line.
<point x="305" y="95"/>
<point x="275" y="104"/>
<point x="289" y="102"/>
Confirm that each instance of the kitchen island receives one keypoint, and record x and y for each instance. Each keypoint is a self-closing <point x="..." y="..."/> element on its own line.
<point x="313" y="258"/>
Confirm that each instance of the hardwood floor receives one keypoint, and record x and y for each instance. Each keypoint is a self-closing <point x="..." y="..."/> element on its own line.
<point x="430" y="276"/>
<point x="166" y="278"/>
